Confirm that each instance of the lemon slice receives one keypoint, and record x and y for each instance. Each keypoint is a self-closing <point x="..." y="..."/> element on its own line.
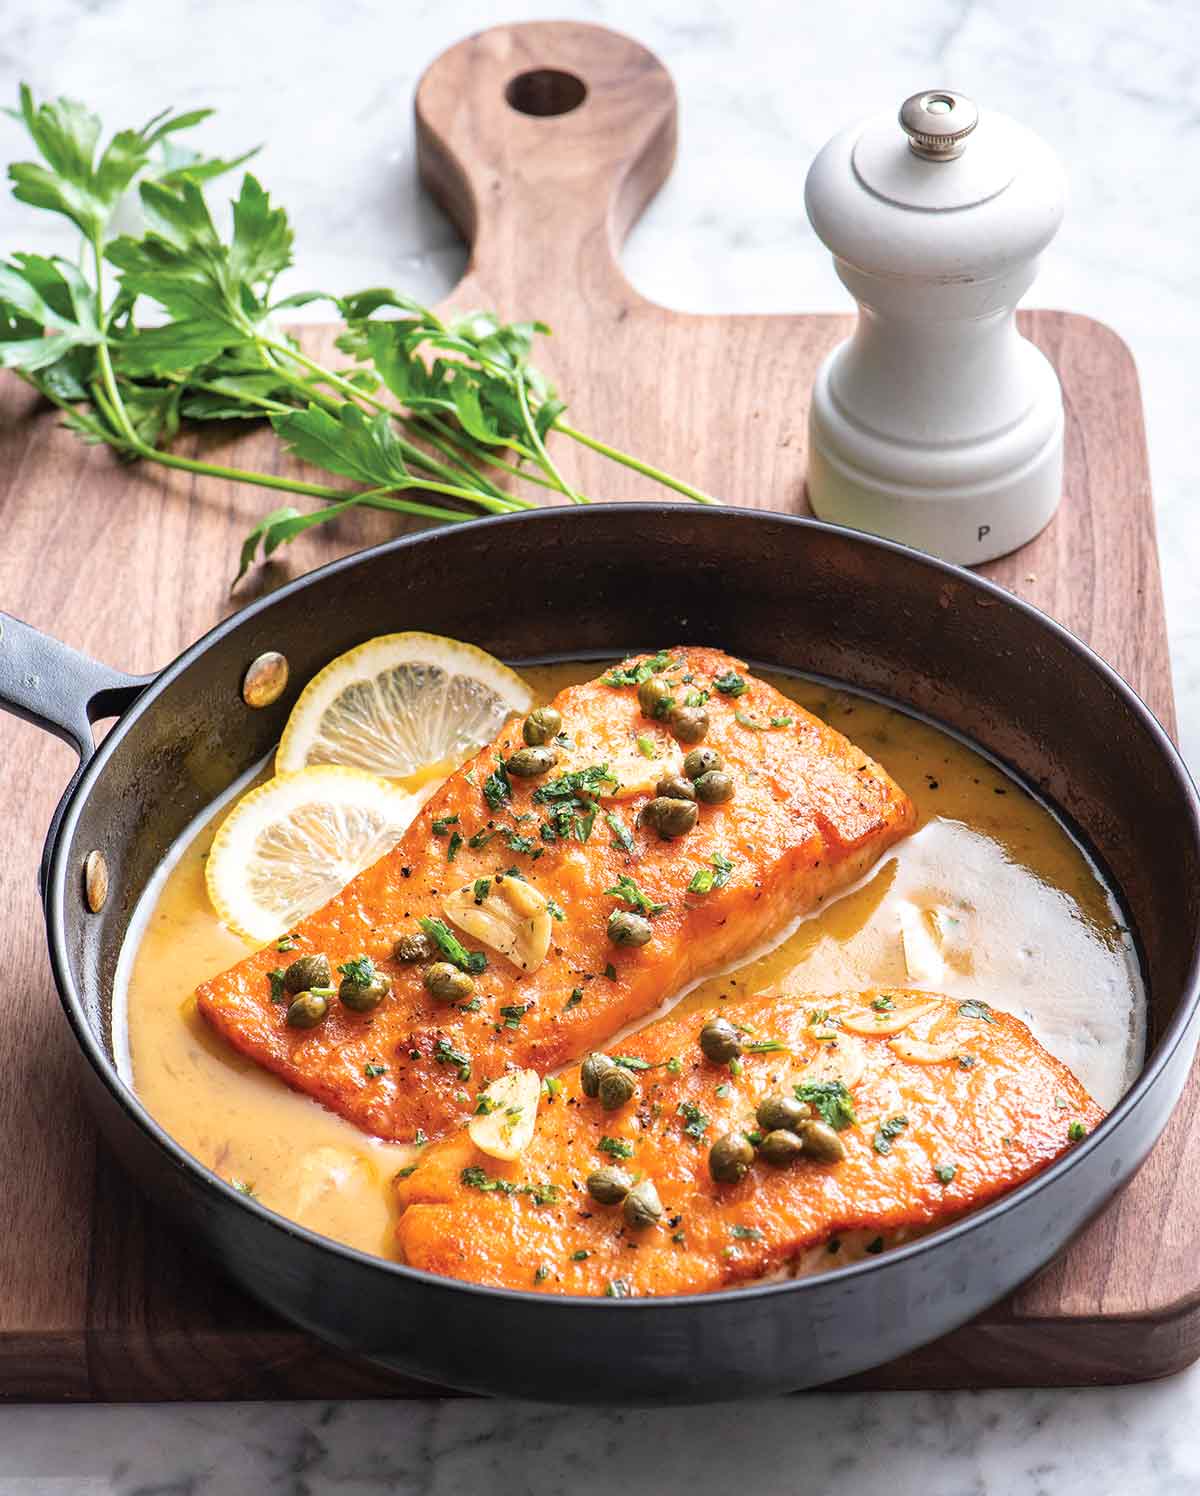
<point x="402" y="705"/>
<point x="287" y="847"/>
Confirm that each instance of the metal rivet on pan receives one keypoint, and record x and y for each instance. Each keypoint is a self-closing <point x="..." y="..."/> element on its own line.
<point x="95" y="881"/>
<point x="266" y="680"/>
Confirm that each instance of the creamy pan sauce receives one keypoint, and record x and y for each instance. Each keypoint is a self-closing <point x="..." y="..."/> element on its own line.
<point x="990" y="898"/>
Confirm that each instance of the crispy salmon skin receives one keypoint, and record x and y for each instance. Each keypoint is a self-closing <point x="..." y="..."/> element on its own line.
<point x="941" y="1104"/>
<point x="810" y="813"/>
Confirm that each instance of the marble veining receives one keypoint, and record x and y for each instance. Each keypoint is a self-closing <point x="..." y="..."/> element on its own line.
<point x="1113" y="86"/>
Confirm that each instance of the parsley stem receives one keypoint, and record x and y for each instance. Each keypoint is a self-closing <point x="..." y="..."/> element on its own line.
<point x="539" y="446"/>
<point x="638" y="467"/>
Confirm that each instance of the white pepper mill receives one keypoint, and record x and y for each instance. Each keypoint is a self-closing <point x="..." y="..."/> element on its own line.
<point x="936" y="423"/>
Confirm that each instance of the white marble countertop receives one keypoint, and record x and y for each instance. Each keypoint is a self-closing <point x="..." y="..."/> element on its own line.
<point x="1112" y="85"/>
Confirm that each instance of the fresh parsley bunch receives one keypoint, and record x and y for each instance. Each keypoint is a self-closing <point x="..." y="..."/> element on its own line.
<point x="425" y="409"/>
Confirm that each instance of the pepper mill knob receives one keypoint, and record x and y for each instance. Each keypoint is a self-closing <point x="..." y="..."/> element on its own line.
<point x="936" y="423"/>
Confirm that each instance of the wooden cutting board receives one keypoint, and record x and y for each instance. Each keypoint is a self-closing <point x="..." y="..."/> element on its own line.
<point x="99" y="1297"/>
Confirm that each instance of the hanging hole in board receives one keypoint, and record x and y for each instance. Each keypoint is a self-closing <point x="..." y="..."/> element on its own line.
<point x="545" y="91"/>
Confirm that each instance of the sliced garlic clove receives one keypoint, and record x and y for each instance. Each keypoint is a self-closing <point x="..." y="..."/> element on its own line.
<point x="506" y="1128"/>
<point x="845" y="1059"/>
<point x="635" y="774"/>
<point x="922" y="945"/>
<point x="921" y="1052"/>
<point x="888" y="1020"/>
<point x="513" y="920"/>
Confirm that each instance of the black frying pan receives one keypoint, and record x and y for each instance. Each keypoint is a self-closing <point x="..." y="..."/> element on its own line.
<point x="560" y="583"/>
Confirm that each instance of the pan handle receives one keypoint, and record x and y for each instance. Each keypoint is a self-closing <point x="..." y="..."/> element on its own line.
<point x="55" y="687"/>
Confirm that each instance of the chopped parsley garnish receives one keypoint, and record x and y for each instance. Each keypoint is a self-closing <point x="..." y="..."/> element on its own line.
<point x="372" y="1071"/>
<point x="646" y="747"/>
<point x="526" y="844"/>
<point x="620" y="831"/>
<point x="679" y="1238"/>
<point x="973" y="1009"/>
<point x="513" y="1013"/>
<point x="1077" y="1132"/>
<point x="445" y="1054"/>
<point x="278" y="990"/>
<point x="479" y="1179"/>
<point x="485" y="1105"/>
<point x="451" y="947"/>
<point x="723" y="1088"/>
<point x="285" y="943"/>
<point x="483" y="886"/>
<point x="616" y="1147"/>
<point x="673" y="1065"/>
<point x="406" y="1172"/>
<point x="420" y="1138"/>
<point x="830" y="1100"/>
<point x="695" y="1123"/>
<point x="552" y="1086"/>
<point x="746" y="1233"/>
<point x="456" y="841"/>
<point x="730" y="684"/>
<point x="360" y="972"/>
<point x="574" y="1000"/>
<point x="782" y="721"/>
<point x="705" y="879"/>
<point x="610" y="971"/>
<point x="580" y="1256"/>
<point x="618" y="1289"/>
<point x="497" y="787"/>
<point x="887" y="1132"/>
<point x="882" y="1003"/>
<point x="629" y="893"/>
<point x="243" y="1188"/>
<point x="624" y="675"/>
<point x="628" y="1062"/>
<point x="875" y="1247"/>
<point x="442" y="824"/>
<point x="967" y="1062"/>
<point x="946" y="1172"/>
<point x="695" y="698"/>
<point x="555" y="910"/>
<point x="765" y="1046"/>
<point x="481" y="838"/>
<point x="542" y="1274"/>
<point x="589" y="781"/>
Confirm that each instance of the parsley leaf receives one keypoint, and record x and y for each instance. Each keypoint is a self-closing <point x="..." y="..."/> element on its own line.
<point x="973" y="1009"/>
<point x="730" y="684"/>
<point x="887" y="1132"/>
<point x="451" y="947"/>
<point x="360" y="972"/>
<point x="695" y="1123"/>
<point x="830" y="1100"/>
<point x="629" y="893"/>
<point x="615" y="1147"/>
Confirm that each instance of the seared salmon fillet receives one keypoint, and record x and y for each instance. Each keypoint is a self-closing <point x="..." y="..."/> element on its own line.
<point x="941" y="1105"/>
<point x="544" y="861"/>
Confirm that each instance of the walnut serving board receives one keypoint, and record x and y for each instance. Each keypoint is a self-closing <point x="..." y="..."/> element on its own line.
<point x="99" y="1297"/>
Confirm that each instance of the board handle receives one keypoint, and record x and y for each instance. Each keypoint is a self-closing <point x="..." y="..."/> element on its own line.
<point x="544" y="142"/>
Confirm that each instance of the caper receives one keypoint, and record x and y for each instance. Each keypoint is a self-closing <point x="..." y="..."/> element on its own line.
<point x="821" y="1142"/>
<point x="627" y="928"/>
<point x="609" y="1186"/>
<point x="447" y="983"/>
<point x="775" y="1112"/>
<point x="528" y="763"/>
<point x="306" y="972"/>
<point x="719" y="1041"/>
<point x="700" y="761"/>
<point x="361" y="997"/>
<point x="307" y="1009"/>
<point x="617" y="1089"/>
<point x="674" y="787"/>
<point x="653" y="695"/>
<point x="714" y="788"/>
<point x="413" y="948"/>
<point x="642" y="1206"/>
<point x="730" y="1157"/>
<point x="689" y="723"/>
<point x="592" y="1071"/>
<point x="542" y="725"/>
<point x="670" y="818"/>
<point x="781" y="1147"/>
